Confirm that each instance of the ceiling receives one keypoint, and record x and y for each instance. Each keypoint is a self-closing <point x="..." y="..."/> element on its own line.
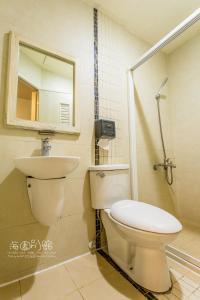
<point x="147" y="19"/>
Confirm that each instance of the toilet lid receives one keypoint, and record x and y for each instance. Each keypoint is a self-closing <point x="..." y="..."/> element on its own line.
<point x="144" y="216"/>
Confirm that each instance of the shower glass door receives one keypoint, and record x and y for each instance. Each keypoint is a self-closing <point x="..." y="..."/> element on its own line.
<point x="179" y="119"/>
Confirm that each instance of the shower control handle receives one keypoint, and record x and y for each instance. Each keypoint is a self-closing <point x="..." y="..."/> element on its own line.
<point x="165" y="165"/>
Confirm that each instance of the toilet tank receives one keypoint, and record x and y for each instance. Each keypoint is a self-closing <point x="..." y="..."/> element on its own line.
<point x="109" y="184"/>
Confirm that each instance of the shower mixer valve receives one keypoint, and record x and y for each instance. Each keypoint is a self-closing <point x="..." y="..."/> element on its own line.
<point x="166" y="164"/>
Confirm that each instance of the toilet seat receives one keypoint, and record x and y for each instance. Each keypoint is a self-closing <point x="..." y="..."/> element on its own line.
<point x="143" y="216"/>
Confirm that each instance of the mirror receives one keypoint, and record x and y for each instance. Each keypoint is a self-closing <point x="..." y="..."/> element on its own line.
<point x="41" y="93"/>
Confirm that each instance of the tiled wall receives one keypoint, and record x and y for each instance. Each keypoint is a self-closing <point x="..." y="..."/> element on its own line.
<point x="118" y="50"/>
<point x="152" y="185"/>
<point x="112" y="90"/>
<point x="68" y="27"/>
<point x="184" y="72"/>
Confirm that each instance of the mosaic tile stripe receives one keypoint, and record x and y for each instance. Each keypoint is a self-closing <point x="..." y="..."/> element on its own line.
<point x="96" y="71"/>
<point x="96" y="113"/>
<point x="96" y="80"/>
<point x="143" y="291"/>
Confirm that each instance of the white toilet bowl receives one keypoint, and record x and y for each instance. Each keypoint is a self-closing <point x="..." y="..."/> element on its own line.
<point x="136" y="232"/>
<point x="144" y="230"/>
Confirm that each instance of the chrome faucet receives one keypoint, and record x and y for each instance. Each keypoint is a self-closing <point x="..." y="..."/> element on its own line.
<point x="45" y="147"/>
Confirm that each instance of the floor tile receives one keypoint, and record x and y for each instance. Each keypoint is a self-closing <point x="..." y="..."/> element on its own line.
<point x="111" y="287"/>
<point x="193" y="297"/>
<point x="183" y="285"/>
<point x="87" y="269"/>
<point x="74" y="296"/>
<point x="52" y="285"/>
<point x="96" y="279"/>
<point x="172" y="297"/>
<point x="161" y="297"/>
<point x="188" y="240"/>
<point x="10" y="292"/>
<point x="175" y="275"/>
<point x="194" y="277"/>
<point x="190" y="282"/>
<point x="180" y="293"/>
<point x="197" y="293"/>
<point x="177" y="266"/>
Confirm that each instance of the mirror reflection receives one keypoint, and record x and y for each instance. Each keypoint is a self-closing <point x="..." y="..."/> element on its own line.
<point x="45" y="91"/>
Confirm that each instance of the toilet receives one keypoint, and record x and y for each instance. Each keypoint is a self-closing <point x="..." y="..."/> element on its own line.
<point x="136" y="232"/>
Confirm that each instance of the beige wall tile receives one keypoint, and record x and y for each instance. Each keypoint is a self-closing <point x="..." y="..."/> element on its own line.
<point x="77" y="199"/>
<point x="184" y="97"/>
<point x="148" y="78"/>
<point x="75" y="38"/>
<point x="74" y="234"/>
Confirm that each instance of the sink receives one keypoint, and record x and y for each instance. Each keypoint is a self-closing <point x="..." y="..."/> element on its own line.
<point x="46" y="167"/>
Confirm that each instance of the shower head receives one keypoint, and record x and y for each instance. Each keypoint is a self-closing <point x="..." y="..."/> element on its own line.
<point x="157" y="96"/>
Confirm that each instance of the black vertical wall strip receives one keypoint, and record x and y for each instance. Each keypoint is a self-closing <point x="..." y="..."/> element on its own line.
<point x="96" y="81"/>
<point x="96" y="114"/>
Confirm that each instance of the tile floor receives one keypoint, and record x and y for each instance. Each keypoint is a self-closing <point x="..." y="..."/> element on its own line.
<point x="186" y="283"/>
<point x="188" y="241"/>
<point x="91" y="277"/>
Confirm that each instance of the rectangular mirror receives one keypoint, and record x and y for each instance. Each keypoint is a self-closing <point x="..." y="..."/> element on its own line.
<point x="41" y="88"/>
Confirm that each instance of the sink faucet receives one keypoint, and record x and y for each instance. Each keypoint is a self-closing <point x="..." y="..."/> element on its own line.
<point x="45" y="147"/>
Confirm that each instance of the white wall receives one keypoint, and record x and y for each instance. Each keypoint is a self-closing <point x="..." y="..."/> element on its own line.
<point x="54" y="82"/>
<point x="55" y="89"/>
<point x="25" y="65"/>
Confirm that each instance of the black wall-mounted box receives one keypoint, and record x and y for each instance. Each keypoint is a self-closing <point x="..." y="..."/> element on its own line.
<point x="104" y="129"/>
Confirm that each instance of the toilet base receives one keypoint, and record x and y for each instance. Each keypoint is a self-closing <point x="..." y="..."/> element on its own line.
<point x="154" y="277"/>
<point x="147" y="266"/>
<point x="150" y="269"/>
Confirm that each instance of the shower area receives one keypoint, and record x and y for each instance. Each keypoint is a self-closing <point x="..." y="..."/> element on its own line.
<point x="167" y="127"/>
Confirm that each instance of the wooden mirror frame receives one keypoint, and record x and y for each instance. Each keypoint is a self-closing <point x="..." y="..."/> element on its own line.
<point x="12" y="80"/>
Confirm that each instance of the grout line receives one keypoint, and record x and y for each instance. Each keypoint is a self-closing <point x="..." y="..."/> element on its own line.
<point x="20" y="289"/>
<point x="77" y="288"/>
<point x="44" y="270"/>
<point x="81" y="294"/>
<point x="94" y="280"/>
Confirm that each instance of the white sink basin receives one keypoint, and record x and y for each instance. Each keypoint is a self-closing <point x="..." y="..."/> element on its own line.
<point x="46" y="167"/>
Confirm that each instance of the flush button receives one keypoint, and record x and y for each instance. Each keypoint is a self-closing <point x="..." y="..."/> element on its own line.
<point x="101" y="174"/>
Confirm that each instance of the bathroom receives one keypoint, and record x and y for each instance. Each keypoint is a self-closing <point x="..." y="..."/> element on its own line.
<point x="125" y="62"/>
